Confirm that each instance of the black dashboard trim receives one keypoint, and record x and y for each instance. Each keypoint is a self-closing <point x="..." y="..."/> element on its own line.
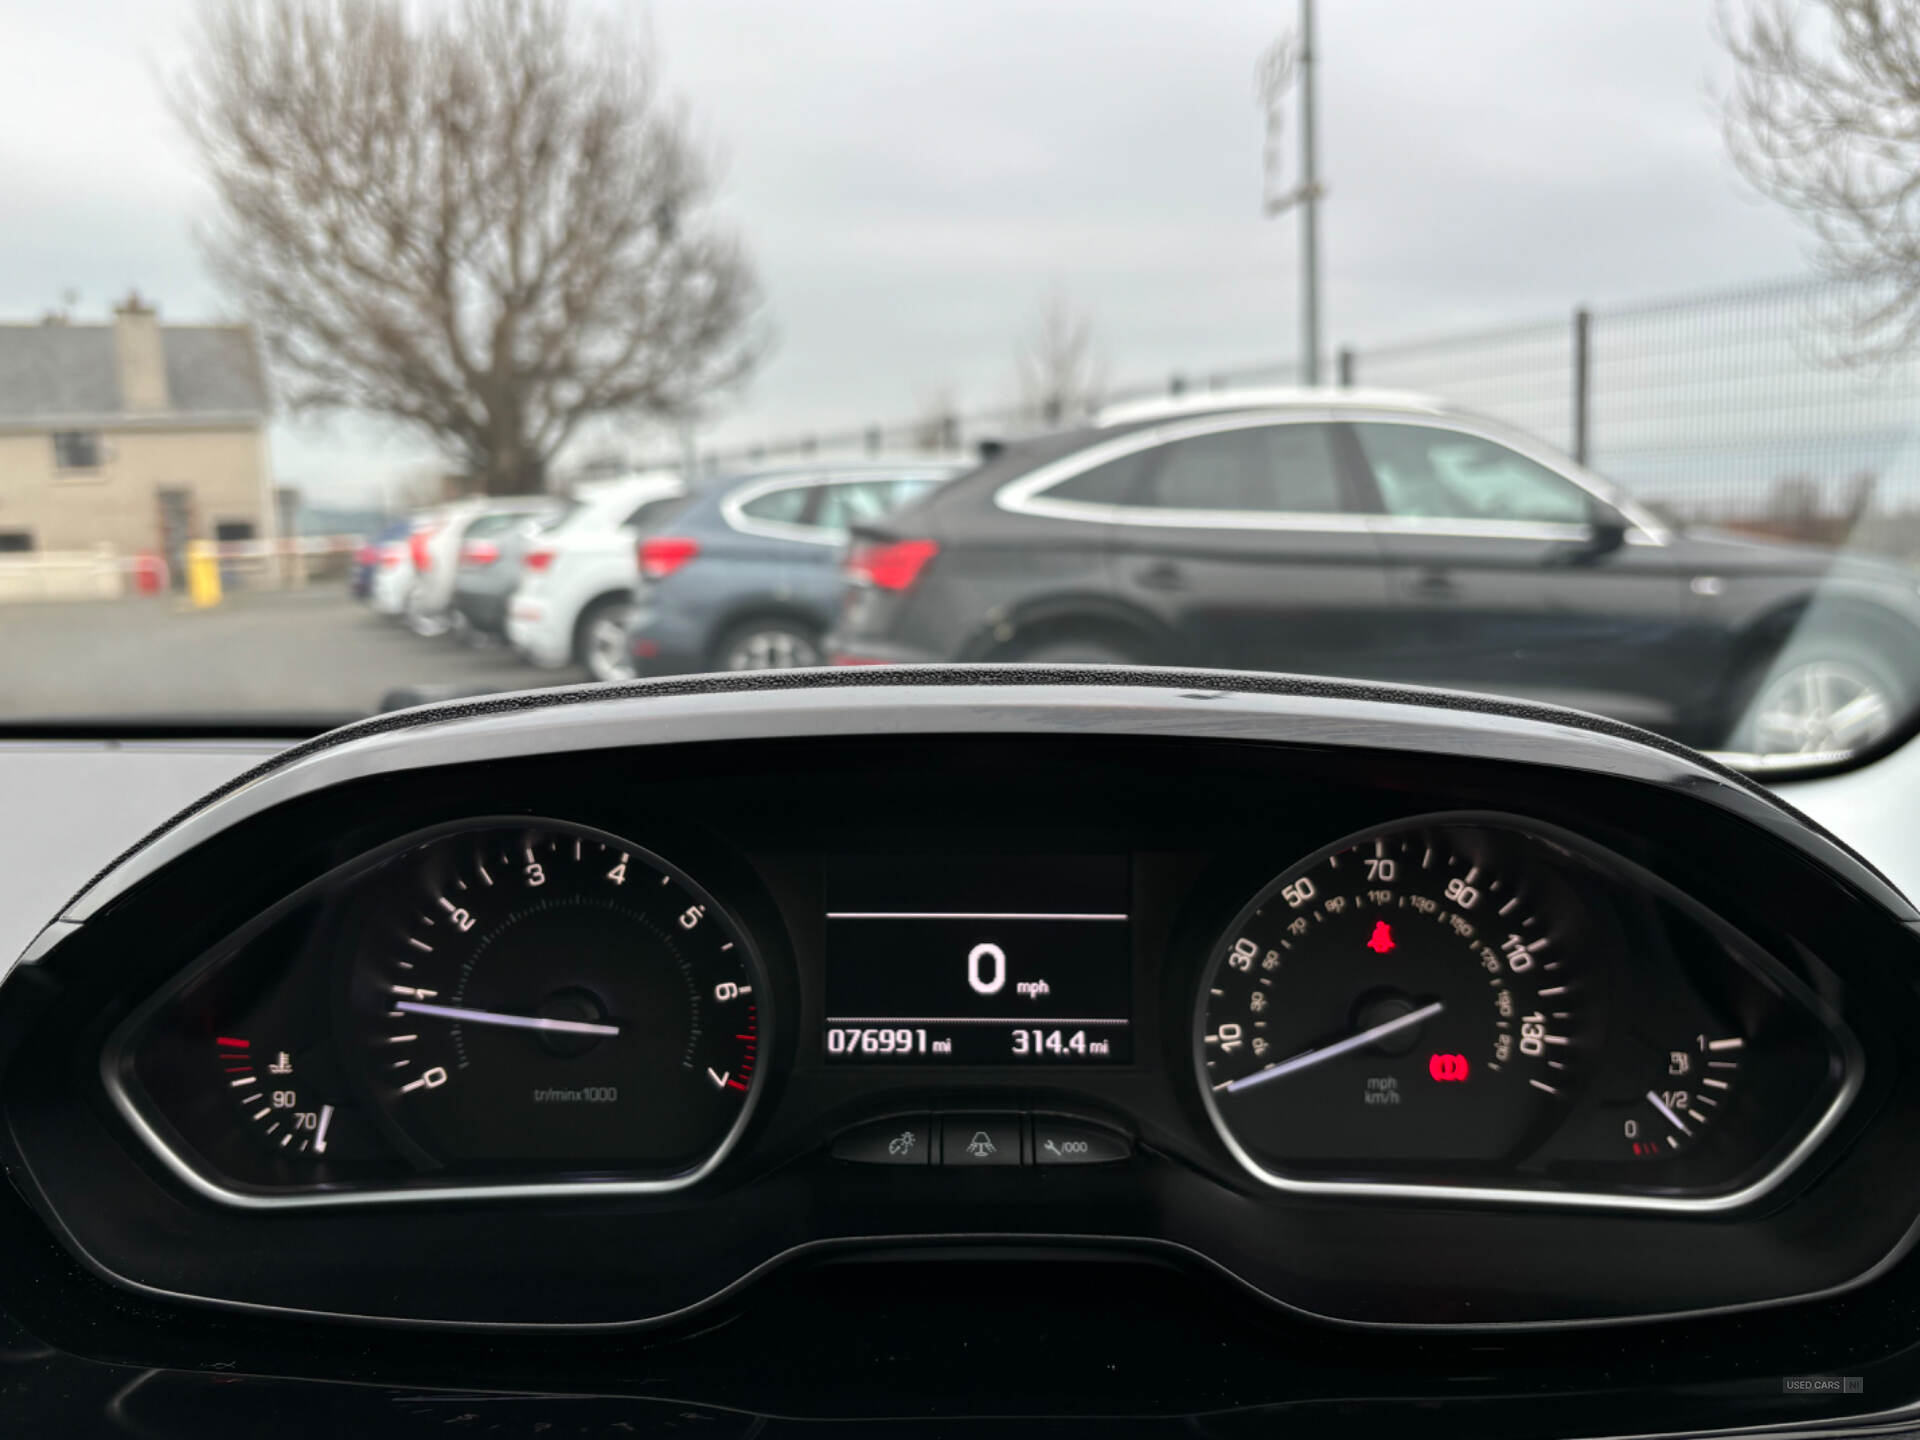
<point x="971" y="1242"/>
<point x="989" y="677"/>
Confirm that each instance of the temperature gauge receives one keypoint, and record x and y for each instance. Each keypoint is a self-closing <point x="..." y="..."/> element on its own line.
<point x="1695" y="1085"/>
<point x="277" y="1098"/>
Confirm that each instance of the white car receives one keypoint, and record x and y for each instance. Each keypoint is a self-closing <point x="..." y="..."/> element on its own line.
<point x="435" y="552"/>
<point x="399" y="564"/>
<point x="576" y="583"/>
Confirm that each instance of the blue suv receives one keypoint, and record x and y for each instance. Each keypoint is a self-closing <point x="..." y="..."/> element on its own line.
<point x="748" y="577"/>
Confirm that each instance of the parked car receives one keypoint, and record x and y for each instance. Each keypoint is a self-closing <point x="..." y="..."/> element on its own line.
<point x="749" y="576"/>
<point x="576" y="584"/>
<point x="436" y="550"/>
<point x="366" y="559"/>
<point x="488" y="570"/>
<point x="400" y="562"/>
<point x="1384" y="536"/>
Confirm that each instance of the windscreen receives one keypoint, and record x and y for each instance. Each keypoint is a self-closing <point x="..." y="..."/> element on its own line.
<point x="1355" y="340"/>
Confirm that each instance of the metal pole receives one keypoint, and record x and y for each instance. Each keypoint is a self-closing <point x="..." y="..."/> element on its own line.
<point x="1346" y="367"/>
<point x="1309" y="211"/>
<point x="1582" y="379"/>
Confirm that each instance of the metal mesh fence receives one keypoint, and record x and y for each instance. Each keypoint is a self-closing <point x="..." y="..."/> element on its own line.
<point x="1740" y="406"/>
<point x="1744" y="406"/>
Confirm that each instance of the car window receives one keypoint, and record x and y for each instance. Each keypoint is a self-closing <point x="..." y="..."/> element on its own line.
<point x="1264" y="468"/>
<point x="1429" y="473"/>
<point x="905" y="492"/>
<point x="485" y="525"/>
<point x="1114" y="483"/>
<point x="654" y="513"/>
<point x="784" y="506"/>
<point x="547" y="524"/>
<point x="849" y="504"/>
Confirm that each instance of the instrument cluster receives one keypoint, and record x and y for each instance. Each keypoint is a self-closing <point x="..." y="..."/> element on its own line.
<point x="1456" y="1007"/>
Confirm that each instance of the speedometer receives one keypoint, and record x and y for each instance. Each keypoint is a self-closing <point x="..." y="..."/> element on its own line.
<point x="1409" y="1001"/>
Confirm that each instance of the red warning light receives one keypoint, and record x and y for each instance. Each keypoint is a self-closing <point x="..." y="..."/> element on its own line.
<point x="1448" y="1067"/>
<point x="1381" y="940"/>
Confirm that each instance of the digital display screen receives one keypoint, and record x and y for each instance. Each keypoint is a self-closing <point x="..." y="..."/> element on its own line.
<point x="979" y="960"/>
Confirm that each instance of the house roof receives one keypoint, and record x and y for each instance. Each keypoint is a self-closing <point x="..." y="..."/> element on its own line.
<point x="72" y="372"/>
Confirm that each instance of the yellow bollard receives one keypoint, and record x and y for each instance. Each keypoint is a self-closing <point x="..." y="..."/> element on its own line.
<point x="203" y="573"/>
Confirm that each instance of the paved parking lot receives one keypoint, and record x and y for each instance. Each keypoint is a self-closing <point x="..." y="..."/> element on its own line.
<point x="301" y="652"/>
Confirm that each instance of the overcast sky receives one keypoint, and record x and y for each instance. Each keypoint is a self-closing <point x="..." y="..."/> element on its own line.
<point x="911" y="178"/>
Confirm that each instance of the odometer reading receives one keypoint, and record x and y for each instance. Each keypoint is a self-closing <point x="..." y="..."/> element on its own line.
<point x="978" y="960"/>
<point x="1402" y="1002"/>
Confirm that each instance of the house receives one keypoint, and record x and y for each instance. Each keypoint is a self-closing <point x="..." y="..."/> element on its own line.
<point x="134" y="435"/>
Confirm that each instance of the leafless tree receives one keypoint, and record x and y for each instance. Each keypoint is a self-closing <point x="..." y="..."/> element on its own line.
<point x="1825" y="118"/>
<point x="1061" y="368"/>
<point x="481" y="220"/>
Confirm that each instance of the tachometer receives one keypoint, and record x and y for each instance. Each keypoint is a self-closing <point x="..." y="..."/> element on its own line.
<point x="1410" y="1000"/>
<point x="546" y="996"/>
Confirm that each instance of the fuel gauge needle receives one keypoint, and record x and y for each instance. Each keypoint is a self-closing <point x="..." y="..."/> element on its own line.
<point x="1672" y="1118"/>
<point x="514" y="1022"/>
<point x="1339" y="1047"/>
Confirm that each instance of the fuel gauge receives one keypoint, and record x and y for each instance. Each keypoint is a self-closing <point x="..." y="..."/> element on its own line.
<point x="1696" y="1083"/>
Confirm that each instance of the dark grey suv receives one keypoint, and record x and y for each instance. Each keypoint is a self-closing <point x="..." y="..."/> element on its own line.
<point x="1388" y="537"/>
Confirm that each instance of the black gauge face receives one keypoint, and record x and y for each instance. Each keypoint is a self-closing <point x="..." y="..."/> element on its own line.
<point x="549" y="997"/>
<point x="1412" y="999"/>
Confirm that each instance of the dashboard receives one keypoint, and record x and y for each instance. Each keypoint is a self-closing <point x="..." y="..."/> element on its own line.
<point x="607" y="1013"/>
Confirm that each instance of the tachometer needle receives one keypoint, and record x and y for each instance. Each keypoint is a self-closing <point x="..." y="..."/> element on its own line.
<point x="1339" y="1047"/>
<point x="1661" y="1106"/>
<point x="513" y="1022"/>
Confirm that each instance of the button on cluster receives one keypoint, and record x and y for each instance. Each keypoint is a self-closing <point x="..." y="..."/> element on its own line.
<point x="981" y="1139"/>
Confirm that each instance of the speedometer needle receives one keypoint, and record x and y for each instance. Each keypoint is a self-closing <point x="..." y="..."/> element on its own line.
<point x="1339" y="1047"/>
<point x="514" y="1022"/>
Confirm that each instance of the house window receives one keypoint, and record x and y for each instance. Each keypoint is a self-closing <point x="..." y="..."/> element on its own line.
<point x="16" y="542"/>
<point x="76" y="449"/>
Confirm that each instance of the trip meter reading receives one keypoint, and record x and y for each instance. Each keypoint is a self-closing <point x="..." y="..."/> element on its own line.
<point x="1411" y="999"/>
<point x="974" y="960"/>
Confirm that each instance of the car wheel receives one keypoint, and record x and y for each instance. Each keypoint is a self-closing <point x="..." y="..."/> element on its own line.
<point x="419" y="620"/>
<point x="769" y="645"/>
<point x="1823" y="696"/>
<point x="602" y="643"/>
